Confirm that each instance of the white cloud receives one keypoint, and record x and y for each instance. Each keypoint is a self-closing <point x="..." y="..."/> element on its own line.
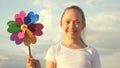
<point x="69" y="3"/>
<point x="46" y="18"/>
<point x="111" y="61"/>
<point x="2" y="57"/>
<point x="89" y="2"/>
<point x="51" y="25"/>
<point x="92" y="3"/>
<point x="103" y="30"/>
<point x="25" y="49"/>
<point x="49" y="4"/>
<point x="104" y="21"/>
<point x="54" y="4"/>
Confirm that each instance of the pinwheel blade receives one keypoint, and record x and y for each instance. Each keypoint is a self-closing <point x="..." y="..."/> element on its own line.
<point x="12" y="27"/>
<point x="29" y="38"/>
<point x="36" y="29"/>
<point x="14" y="37"/>
<point x="31" y="18"/>
<point x="19" y="18"/>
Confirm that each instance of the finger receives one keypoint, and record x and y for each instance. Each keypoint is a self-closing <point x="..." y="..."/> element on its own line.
<point x="29" y="58"/>
<point x="31" y="63"/>
<point x="37" y="64"/>
<point x="29" y="66"/>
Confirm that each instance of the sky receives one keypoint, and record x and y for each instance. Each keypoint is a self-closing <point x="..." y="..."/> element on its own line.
<point x="102" y="31"/>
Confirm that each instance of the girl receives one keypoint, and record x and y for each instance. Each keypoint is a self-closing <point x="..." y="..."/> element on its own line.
<point x="72" y="52"/>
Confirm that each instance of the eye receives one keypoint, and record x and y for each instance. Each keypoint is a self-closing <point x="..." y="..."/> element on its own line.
<point x="67" y="22"/>
<point x="77" y="22"/>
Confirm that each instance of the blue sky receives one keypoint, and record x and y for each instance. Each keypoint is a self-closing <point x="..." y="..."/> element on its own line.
<point x="102" y="31"/>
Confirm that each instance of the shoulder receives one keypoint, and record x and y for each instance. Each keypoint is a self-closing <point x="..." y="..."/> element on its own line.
<point x="55" y="48"/>
<point x="51" y="53"/>
<point x="92" y="50"/>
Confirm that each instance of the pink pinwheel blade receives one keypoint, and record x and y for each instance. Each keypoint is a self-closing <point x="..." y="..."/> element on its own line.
<point x="14" y="37"/>
<point x="21" y="35"/>
<point x="18" y="21"/>
<point x="19" y="18"/>
<point x="36" y="28"/>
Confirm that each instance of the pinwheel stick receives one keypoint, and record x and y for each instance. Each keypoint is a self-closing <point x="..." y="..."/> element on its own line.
<point x="29" y="50"/>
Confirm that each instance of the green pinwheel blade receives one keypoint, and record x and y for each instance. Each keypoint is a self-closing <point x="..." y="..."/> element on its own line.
<point x="13" y="27"/>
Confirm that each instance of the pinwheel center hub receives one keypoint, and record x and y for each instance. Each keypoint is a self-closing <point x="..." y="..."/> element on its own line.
<point x="24" y="27"/>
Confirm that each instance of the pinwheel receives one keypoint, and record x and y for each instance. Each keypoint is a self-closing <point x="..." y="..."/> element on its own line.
<point x="25" y="29"/>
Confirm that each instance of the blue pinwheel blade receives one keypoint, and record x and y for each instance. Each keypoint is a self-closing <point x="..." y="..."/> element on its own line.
<point x="31" y="18"/>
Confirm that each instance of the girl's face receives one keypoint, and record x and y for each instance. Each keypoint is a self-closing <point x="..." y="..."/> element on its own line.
<point x="72" y="23"/>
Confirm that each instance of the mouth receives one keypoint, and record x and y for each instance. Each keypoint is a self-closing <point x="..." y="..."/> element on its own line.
<point x="72" y="31"/>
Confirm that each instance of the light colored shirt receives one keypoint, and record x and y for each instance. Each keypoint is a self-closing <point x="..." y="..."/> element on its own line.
<point x="64" y="57"/>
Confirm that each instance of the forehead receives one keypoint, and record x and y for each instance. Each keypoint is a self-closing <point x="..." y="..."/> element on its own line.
<point x="72" y="13"/>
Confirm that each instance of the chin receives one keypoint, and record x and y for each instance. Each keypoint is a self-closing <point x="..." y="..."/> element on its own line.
<point x="73" y="37"/>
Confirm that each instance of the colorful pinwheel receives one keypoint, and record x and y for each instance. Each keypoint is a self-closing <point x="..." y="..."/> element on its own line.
<point x="24" y="28"/>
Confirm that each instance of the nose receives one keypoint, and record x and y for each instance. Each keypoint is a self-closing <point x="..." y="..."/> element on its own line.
<point x="72" y="25"/>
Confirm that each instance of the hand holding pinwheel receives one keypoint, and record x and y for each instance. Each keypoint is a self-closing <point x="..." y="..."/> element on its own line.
<point x="25" y="29"/>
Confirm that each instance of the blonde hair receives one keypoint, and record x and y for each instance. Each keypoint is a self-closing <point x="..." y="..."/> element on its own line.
<point x="83" y="18"/>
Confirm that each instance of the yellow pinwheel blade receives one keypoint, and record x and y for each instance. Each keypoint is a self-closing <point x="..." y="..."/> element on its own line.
<point x="29" y="38"/>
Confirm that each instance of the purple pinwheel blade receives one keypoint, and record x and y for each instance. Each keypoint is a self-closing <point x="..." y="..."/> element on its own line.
<point x="14" y="37"/>
<point x="18" y="41"/>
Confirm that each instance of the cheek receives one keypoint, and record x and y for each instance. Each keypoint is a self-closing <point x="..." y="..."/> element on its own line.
<point x="64" y="28"/>
<point x="79" y="28"/>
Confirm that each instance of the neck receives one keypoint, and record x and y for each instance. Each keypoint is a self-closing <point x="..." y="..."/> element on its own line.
<point x="73" y="43"/>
